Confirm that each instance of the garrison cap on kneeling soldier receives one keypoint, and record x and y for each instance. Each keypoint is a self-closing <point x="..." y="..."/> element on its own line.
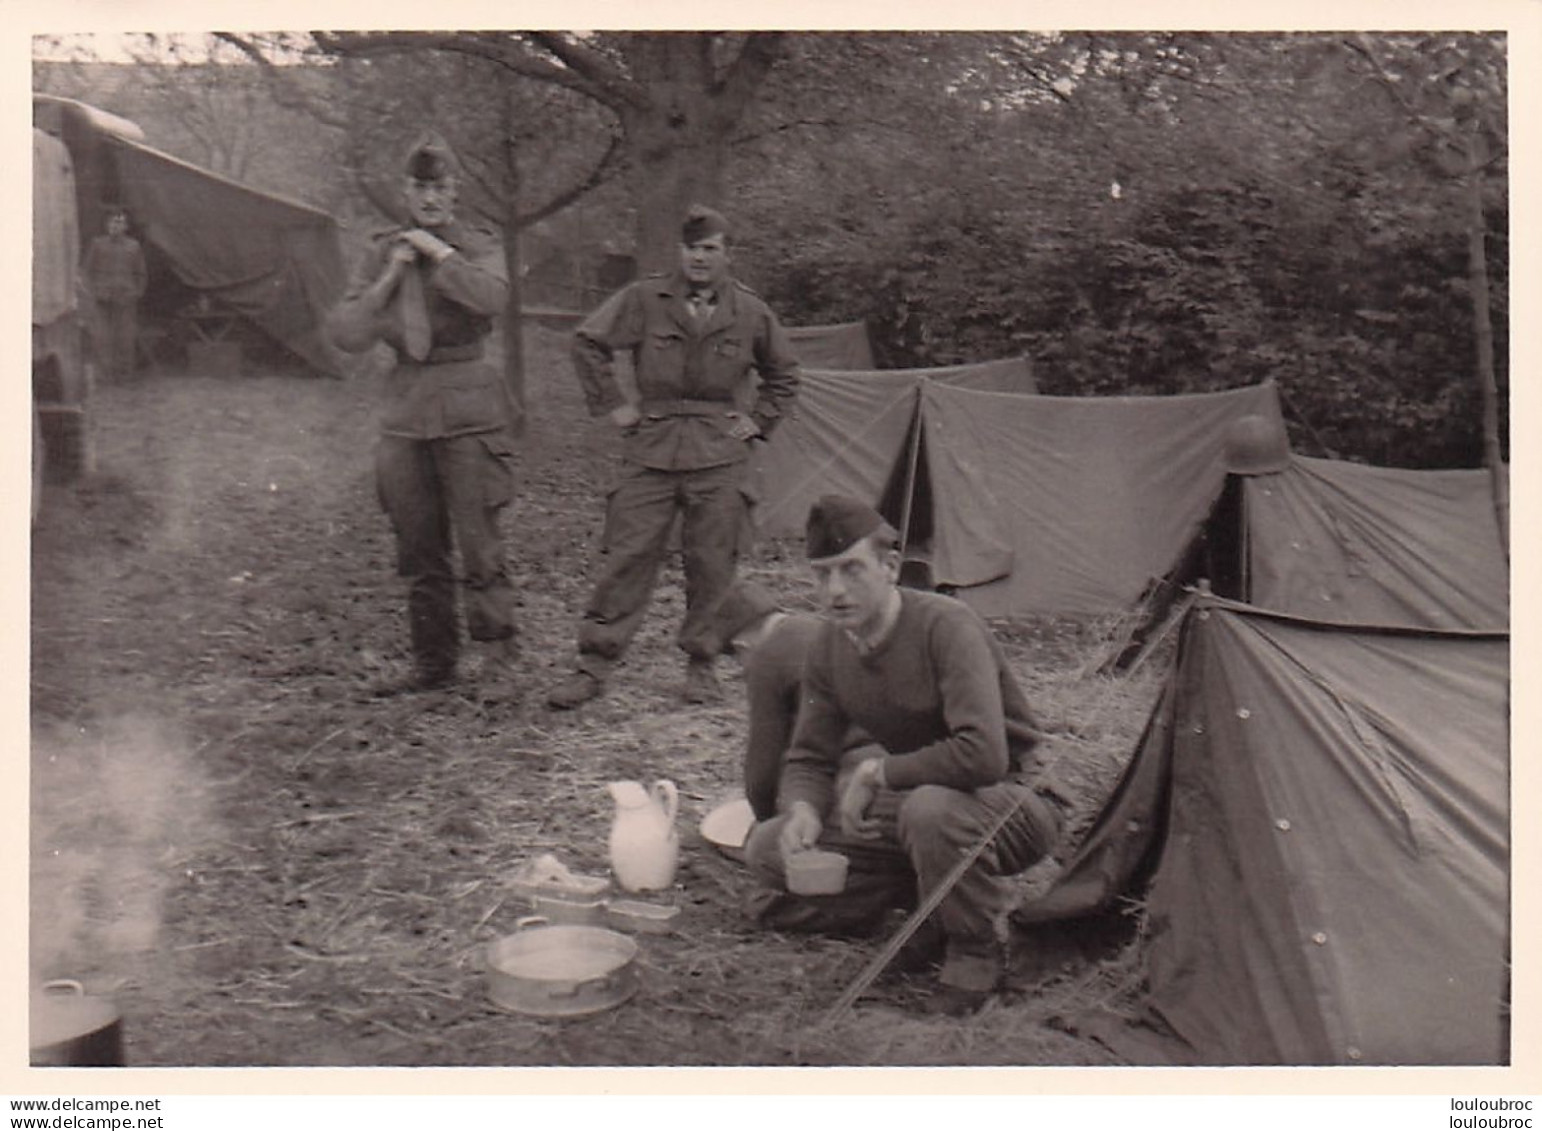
<point x="921" y="675"/>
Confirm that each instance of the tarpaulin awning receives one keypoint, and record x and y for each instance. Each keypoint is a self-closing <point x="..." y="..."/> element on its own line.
<point x="274" y="261"/>
<point x="1317" y="820"/>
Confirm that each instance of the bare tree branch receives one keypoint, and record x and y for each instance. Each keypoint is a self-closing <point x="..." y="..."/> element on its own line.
<point x="285" y="92"/>
<point x="619" y="90"/>
<point x="493" y="48"/>
<point x="1389" y="84"/>
<point x="603" y="170"/>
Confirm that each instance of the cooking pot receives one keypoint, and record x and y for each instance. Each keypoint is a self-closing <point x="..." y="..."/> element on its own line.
<point x="562" y="970"/>
<point x="70" y="1028"/>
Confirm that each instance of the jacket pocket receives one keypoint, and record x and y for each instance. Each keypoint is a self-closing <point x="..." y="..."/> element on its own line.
<point x="498" y="479"/>
<point x="749" y="519"/>
<point x="661" y="364"/>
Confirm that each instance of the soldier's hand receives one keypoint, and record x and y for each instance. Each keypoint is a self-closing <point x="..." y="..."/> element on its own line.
<point x="401" y="253"/>
<point x="625" y="415"/>
<point x="743" y="427"/>
<point x="427" y="244"/>
<point x="858" y="797"/>
<point x="800" y="830"/>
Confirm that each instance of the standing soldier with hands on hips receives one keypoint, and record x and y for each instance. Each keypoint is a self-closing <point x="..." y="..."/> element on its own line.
<point x="444" y="462"/>
<point x="695" y="337"/>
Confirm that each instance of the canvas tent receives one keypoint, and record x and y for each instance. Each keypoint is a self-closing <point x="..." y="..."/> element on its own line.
<point x="1019" y="503"/>
<point x="1345" y="542"/>
<point x="274" y="262"/>
<point x="1317" y="821"/>
<point x="838" y="345"/>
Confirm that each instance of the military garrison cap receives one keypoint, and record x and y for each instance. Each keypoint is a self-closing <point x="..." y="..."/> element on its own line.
<point x="737" y="609"/>
<point x="702" y="222"/>
<point x="431" y="159"/>
<point x="836" y="523"/>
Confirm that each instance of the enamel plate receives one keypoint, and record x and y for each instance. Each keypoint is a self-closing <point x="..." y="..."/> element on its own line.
<point x="727" y="826"/>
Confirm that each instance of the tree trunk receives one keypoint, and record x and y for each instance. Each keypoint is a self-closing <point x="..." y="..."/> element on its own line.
<point x="1483" y="332"/>
<point x="513" y="310"/>
<point x="677" y="139"/>
<point x="664" y="181"/>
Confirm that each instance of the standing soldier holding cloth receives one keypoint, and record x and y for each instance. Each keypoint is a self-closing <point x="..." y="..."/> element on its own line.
<point x="444" y="462"/>
<point x="694" y="336"/>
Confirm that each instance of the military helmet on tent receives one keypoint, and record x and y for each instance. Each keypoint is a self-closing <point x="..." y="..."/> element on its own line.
<point x="1256" y="445"/>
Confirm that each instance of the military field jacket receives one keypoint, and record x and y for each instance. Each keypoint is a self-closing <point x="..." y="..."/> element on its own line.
<point x="453" y="391"/>
<point x="695" y="380"/>
<point x="115" y="269"/>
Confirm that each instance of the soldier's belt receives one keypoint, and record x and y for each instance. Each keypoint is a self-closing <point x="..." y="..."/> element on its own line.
<point x="684" y="407"/>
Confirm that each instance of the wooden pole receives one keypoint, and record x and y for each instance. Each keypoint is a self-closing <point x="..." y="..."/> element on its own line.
<point x="1483" y="330"/>
<point x="513" y="309"/>
<point x="912" y="461"/>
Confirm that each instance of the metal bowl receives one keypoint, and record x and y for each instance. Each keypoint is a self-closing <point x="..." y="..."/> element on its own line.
<point x="816" y="872"/>
<point x="566" y="970"/>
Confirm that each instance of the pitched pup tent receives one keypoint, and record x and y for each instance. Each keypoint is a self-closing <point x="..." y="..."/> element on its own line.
<point x="1020" y="503"/>
<point x="1371" y="545"/>
<point x="1317" y="821"/>
<point x="838" y="345"/>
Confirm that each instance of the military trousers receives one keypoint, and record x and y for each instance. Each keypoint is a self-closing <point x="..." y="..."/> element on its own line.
<point x="115" y="331"/>
<point x="924" y="832"/>
<point x="640" y="512"/>
<point x="443" y="495"/>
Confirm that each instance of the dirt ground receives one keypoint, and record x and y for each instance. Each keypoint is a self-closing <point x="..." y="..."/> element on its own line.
<point x="263" y="864"/>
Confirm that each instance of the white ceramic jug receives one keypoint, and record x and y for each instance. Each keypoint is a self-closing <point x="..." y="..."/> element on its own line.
<point x="644" y="847"/>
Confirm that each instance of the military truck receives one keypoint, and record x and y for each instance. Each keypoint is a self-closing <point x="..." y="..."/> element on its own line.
<point x="62" y="366"/>
<point x="61" y="370"/>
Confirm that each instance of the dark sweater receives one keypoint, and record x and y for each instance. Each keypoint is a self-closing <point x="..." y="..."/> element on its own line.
<point x="937" y="694"/>
<point x="773" y="677"/>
